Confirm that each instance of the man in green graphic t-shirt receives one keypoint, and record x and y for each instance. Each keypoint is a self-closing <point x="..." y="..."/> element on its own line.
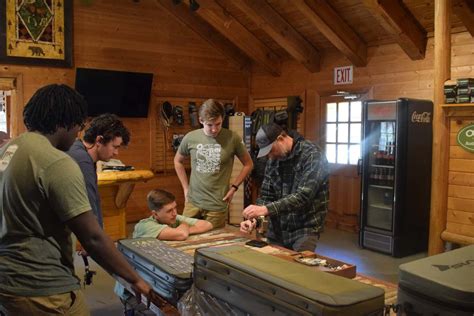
<point x="212" y="150"/>
<point x="164" y="222"/>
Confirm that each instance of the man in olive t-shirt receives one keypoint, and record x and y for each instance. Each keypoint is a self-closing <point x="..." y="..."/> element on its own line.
<point x="36" y="228"/>
<point x="212" y="150"/>
<point x="42" y="199"/>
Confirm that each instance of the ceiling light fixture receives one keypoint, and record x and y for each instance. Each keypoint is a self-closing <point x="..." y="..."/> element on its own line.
<point x="346" y="95"/>
<point x="351" y="97"/>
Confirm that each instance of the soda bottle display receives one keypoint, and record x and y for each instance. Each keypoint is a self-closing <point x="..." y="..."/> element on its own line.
<point x="396" y="175"/>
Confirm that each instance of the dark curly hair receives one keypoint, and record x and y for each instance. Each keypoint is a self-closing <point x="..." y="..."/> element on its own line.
<point x="108" y="126"/>
<point x="54" y="106"/>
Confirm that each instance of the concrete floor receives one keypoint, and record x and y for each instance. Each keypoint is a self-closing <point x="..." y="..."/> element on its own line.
<point x="334" y="243"/>
<point x="344" y="246"/>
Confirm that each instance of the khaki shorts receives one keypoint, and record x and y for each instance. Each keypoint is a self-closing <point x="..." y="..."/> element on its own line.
<point x="216" y="218"/>
<point x="70" y="304"/>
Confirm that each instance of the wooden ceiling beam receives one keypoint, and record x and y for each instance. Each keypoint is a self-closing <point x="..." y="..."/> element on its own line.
<point x="207" y="32"/>
<point x="228" y="26"/>
<point x="320" y="14"/>
<point x="396" y="19"/>
<point x="266" y="18"/>
<point x="465" y="12"/>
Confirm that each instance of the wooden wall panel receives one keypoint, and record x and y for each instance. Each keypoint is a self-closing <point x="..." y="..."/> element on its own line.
<point x="344" y="199"/>
<point x="466" y="205"/>
<point x="463" y="165"/>
<point x="389" y="72"/>
<point x="460" y="212"/>
<point x="460" y="217"/>
<point x="125" y="35"/>
<point x="460" y="229"/>
<point x="461" y="178"/>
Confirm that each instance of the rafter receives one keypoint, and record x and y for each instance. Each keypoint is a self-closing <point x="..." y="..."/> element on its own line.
<point x="228" y="26"/>
<point x="262" y="14"/>
<point x="396" y="19"/>
<point x="334" y="28"/>
<point x="219" y="42"/>
<point x="464" y="10"/>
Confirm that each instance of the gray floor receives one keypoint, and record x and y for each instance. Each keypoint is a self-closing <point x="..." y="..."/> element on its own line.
<point x="334" y="243"/>
<point x="344" y="247"/>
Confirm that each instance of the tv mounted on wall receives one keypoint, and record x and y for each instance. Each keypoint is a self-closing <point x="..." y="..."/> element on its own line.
<point x="126" y="94"/>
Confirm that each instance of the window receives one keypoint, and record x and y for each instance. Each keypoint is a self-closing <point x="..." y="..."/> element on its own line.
<point x="3" y="111"/>
<point x="343" y="132"/>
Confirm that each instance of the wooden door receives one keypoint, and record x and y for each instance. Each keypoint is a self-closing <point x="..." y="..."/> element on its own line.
<point x="341" y="130"/>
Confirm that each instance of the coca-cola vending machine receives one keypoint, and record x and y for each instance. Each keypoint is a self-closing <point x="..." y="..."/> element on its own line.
<point x="396" y="175"/>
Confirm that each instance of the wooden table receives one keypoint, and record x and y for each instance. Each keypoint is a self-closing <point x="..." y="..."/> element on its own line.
<point x="232" y="236"/>
<point x="115" y="187"/>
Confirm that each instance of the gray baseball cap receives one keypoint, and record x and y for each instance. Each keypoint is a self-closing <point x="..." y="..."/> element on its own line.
<point x="265" y="137"/>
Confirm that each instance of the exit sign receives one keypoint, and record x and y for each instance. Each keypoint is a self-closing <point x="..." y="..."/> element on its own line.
<point x="343" y="75"/>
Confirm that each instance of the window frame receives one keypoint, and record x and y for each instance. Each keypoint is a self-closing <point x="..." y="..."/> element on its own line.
<point x="7" y="95"/>
<point x="337" y="123"/>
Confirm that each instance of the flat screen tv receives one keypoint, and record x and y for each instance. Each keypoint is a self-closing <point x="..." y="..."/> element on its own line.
<point x="126" y="94"/>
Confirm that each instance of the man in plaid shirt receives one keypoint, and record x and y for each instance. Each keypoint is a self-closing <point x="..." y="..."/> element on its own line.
<point x="295" y="190"/>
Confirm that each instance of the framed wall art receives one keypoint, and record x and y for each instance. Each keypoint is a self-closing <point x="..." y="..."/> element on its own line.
<point x="36" y="32"/>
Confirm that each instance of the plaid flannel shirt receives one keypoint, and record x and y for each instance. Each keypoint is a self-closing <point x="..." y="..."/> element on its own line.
<point x="295" y="191"/>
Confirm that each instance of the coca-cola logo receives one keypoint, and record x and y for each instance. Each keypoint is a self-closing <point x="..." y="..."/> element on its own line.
<point x="424" y="117"/>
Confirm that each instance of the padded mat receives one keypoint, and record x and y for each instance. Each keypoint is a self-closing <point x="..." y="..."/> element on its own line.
<point x="281" y="282"/>
<point x="447" y="277"/>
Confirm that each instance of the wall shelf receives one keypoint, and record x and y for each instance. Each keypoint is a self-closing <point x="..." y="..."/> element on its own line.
<point x="383" y="166"/>
<point x="458" y="109"/>
<point x="381" y="206"/>
<point x="381" y="186"/>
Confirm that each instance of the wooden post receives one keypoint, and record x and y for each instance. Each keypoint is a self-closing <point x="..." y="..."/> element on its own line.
<point x="439" y="179"/>
<point x="312" y="110"/>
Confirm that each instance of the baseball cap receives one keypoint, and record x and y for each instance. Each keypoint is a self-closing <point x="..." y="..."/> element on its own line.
<point x="265" y="137"/>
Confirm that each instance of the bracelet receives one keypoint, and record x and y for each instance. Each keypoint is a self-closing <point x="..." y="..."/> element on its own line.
<point x="235" y="187"/>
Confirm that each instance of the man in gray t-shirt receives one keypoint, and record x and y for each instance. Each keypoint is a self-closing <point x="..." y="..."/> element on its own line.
<point x="102" y="140"/>
<point x="212" y="150"/>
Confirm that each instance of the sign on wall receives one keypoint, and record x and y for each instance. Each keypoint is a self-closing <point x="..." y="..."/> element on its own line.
<point x="465" y="137"/>
<point x="343" y="75"/>
<point x="36" y="32"/>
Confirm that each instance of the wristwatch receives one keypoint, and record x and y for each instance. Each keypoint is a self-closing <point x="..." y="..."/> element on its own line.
<point x="235" y="187"/>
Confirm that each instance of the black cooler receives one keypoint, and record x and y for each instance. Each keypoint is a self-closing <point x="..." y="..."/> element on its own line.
<point x="438" y="285"/>
<point x="167" y="269"/>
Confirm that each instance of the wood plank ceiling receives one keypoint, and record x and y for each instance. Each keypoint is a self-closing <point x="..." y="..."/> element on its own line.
<point x="267" y="32"/>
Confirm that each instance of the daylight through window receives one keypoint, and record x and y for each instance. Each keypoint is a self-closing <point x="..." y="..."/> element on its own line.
<point x="343" y="132"/>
